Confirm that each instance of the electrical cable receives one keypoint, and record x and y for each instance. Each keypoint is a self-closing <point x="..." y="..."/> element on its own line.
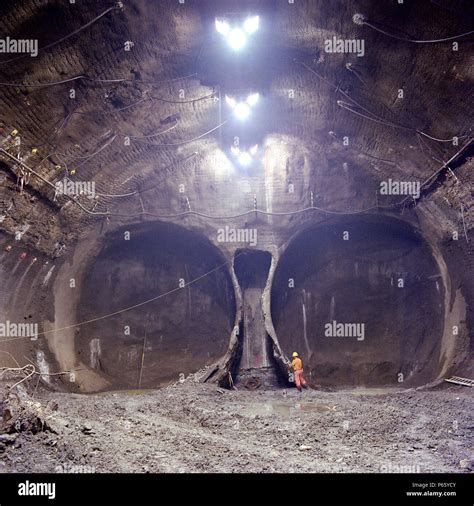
<point x="94" y="80"/>
<point x="432" y="41"/>
<point x="350" y="68"/>
<point x="55" y="131"/>
<point x="256" y="211"/>
<point x="112" y="111"/>
<point x="43" y="85"/>
<point x="212" y="95"/>
<point x="299" y="211"/>
<point x="88" y="157"/>
<point x="143" y="303"/>
<point x="138" y="137"/>
<point x="445" y="165"/>
<point x="186" y="213"/>
<point x="365" y="153"/>
<point x="55" y="43"/>
<point x="267" y="213"/>
<point x="440" y="140"/>
<point x="337" y="89"/>
<point x="190" y="140"/>
<point x="346" y="106"/>
<point x="160" y="99"/>
<point x="151" y="83"/>
<point x="160" y="296"/>
<point x="422" y="142"/>
<point x="376" y="117"/>
<point x="138" y="192"/>
<point x="39" y="176"/>
<point x="387" y="122"/>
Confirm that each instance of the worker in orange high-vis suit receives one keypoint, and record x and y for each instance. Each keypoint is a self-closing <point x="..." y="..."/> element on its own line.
<point x="297" y="367"/>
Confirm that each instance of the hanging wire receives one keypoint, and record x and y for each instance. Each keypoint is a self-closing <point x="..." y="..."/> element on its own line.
<point x="444" y="166"/>
<point x="372" y="116"/>
<point x="75" y="32"/>
<point x="66" y="119"/>
<point x="360" y="20"/>
<point x="111" y="111"/>
<point x="189" y="140"/>
<point x="138" y="192"/>
<point x="365" y="153"/>
<point x="140" y="304"/>
<point x="110" y="141"/>
<point x="94" y="80"/>
<point x="151" y="136"/>
<point x="92" y="155"/>
<point x="256" y="211"/>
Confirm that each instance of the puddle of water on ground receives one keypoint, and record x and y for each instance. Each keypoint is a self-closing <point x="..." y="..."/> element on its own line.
<point x="372" y="391"/>
<point x="126" y="392"/>
<point x="319" y="408"/>
<point x="287" y="410"/>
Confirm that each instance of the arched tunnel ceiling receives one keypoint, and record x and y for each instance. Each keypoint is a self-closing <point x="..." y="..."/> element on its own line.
<point x="134" y="120"/>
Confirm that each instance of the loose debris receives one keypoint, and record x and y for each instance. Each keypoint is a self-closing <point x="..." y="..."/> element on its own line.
<point x="195" y="427"/>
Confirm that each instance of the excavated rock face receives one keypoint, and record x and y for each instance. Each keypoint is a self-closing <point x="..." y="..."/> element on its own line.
<point x="187" y="329"/>
<point x="363" y="301"/>
<point x="135" y="104"/>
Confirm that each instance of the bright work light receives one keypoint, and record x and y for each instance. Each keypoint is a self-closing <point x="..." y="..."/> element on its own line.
<point x="222" y="27"/>
<point x="251" y="24"/>
<point x="236" y="36"/>
<point x="242" y="109"/>
<point x="253" y="99"/>
<point x="237" y="39"/>
<point x="244" y="158"/>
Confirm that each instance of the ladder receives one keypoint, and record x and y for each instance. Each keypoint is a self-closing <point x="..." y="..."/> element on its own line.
<point x="460" y="381"/>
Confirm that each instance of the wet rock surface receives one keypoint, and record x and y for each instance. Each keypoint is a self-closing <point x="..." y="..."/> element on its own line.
<point x="193" y="428"/>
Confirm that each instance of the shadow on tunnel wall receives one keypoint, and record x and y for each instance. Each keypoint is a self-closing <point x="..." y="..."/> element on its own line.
<point x="361" y="300"/>
<point x="185" y="330"/>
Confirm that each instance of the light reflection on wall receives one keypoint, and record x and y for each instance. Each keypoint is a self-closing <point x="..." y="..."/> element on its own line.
<point x="219" y="164"/>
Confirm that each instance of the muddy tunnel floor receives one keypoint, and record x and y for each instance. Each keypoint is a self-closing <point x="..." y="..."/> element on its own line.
<point x="200" y="428"/>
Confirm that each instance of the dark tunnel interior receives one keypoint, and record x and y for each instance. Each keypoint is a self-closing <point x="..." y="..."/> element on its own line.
<point x="182" y="332"/>
<point x="251" y="267"/>
<point x="195" y="193"/>
<point x="384" y="282"/>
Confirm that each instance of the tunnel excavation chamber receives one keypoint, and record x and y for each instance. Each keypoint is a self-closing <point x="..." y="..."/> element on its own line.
<point x="256" y="367"/>
<point x="362" y="301"/>
<point x="185" y="326"/>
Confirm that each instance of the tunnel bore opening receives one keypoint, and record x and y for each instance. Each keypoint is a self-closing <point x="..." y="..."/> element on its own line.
<point x="379" y="279"/>
<point x="179" y="333"/>
<point x="256" y="366"/>
<point x="251" y="268"/>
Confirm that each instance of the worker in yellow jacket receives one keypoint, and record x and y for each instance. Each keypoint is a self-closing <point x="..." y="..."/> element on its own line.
<point x="297" y="367"/>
